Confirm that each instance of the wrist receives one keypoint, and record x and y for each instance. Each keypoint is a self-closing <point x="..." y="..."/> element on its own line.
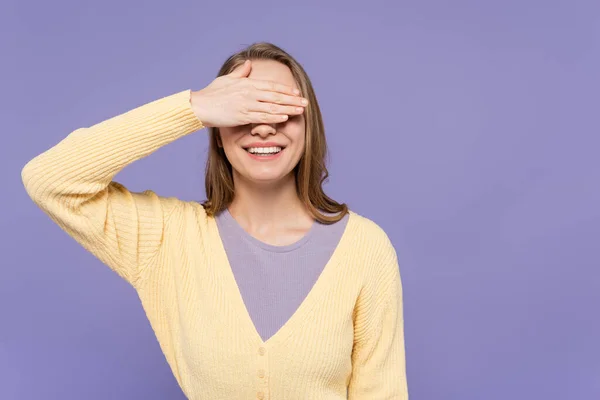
<point x="195" y="103"/>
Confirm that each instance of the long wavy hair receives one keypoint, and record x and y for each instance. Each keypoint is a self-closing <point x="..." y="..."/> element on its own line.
<point x="311" y="170"/>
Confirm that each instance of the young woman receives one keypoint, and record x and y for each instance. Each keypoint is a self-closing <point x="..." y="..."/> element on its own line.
<point x="269" y="289"/>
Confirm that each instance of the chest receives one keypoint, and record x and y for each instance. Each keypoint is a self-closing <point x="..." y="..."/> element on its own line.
<point x="204" y="323"/>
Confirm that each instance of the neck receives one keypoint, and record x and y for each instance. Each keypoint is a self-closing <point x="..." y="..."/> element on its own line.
<point x="265" y="207"/>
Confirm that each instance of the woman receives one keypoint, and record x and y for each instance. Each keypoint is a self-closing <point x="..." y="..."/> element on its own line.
<point x="269" y="289"/>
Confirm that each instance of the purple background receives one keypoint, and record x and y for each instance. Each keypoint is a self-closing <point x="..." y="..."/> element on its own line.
<point x="467" y="129"/>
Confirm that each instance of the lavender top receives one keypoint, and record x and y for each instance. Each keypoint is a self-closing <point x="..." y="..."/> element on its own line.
<point x="274" y="280"/>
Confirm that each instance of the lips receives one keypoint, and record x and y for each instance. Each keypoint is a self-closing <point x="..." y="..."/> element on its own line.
<point x="263" y="144"/>
<point x="265" y="156"/>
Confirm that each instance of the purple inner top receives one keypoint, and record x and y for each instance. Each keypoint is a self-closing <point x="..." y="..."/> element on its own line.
<point x="274" y="280"/>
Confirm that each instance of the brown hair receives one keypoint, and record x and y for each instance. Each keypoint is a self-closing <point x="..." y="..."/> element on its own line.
<point x="310" y="172"/>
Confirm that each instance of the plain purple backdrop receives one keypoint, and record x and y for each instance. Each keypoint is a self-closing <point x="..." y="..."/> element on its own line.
<point x="467" y="129"/>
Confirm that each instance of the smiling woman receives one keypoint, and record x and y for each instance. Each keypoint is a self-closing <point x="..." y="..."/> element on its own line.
<point x="268" y="289"/>
<point x="296" y="126"/>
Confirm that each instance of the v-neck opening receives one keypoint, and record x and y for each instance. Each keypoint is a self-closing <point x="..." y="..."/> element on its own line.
<point x="233" y="289"/>
<point x="233" y="223"/>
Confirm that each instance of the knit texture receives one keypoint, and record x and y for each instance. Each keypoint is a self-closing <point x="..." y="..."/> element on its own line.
<point x="346" y="338"/>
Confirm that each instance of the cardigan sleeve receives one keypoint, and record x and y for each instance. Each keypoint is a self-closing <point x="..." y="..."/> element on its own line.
<point x="72" y="182"/>
<point x="378" y="356"/>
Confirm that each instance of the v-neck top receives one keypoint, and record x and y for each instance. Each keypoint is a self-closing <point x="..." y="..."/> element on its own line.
<point x="274" y="280"/>
<point x="344" y="340"/>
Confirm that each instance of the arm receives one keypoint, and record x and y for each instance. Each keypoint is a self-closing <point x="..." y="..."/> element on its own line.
<point x="378" y="357"/>
<point x="72" y="182"/>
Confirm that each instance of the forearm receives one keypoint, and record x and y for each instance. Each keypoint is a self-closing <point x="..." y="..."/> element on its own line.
<point x="72" y="183"/>
<point x="85" y="162"/>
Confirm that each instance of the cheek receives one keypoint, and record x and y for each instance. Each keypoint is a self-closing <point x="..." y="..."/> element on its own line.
<point x="295" y="130"/>
<point x="229" y="138"/>
<point x="299" y="139"/>
<point x="231" y="150"/>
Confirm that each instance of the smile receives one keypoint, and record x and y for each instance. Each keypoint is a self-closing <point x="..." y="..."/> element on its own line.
<point x="264" y="150"/>
<point x="265" y="153"/>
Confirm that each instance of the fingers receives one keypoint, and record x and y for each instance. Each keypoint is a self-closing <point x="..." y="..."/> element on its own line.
<point x="280" y="98"/>
<point x="274" y="87"/>
<point x="271" y="108"/>
<point x="265" y="118"/>
<point x="243" y="71"/>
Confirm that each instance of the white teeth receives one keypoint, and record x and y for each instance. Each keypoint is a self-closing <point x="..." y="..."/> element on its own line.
<point x="264" y="150"/>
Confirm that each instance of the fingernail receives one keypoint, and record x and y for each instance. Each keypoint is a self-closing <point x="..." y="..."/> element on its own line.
<point x="304" y="101"/>
<point x="296" y="91"/>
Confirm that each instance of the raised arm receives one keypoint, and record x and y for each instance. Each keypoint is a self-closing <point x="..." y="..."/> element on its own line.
<point x="72" y="182"/>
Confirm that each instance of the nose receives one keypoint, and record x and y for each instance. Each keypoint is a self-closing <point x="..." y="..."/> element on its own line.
<point x="263" y="130"/>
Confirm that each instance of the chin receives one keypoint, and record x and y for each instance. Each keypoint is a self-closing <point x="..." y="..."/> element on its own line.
<point x="266" y="177"/>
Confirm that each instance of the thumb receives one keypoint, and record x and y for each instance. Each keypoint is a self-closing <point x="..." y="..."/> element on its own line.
<point x="243" y="71"/>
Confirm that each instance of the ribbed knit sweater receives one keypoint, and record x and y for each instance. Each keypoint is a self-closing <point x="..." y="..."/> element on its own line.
<point x="346" y="338"/>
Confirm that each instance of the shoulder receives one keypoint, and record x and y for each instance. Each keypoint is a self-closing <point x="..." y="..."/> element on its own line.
<point x="369" y="237"/>
<point x="371" y="252"/>
<point x="181" y="213"/>
<point x="373" y="256"/>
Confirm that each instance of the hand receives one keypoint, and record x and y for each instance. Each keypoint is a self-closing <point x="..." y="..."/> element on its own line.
<point x="234" y="100"/>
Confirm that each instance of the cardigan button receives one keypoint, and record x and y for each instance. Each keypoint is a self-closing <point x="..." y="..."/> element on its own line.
<point x="260" y="395"/>
<point x="262" y="351"/>
<point x="261" y="373"/>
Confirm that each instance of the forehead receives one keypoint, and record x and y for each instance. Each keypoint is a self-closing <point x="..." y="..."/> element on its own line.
<point x="269" y="70"/>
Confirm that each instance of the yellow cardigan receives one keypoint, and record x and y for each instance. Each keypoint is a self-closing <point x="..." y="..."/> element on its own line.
<point x="346" y="339"/>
